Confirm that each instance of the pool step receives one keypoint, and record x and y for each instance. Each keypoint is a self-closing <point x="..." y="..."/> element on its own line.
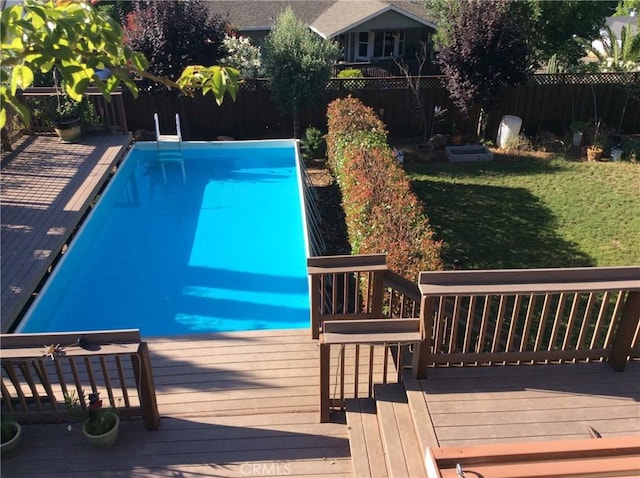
<point x="171" y="156"/>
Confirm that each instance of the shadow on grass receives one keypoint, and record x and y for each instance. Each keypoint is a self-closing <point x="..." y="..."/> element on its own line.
<point x="490" y="227"/>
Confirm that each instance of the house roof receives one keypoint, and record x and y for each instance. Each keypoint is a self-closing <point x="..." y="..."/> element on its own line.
<point x="345" y="15"/>
<point x="328" y="18"/>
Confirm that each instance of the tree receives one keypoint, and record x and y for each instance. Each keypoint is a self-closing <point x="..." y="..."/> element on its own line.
<point x="78" y="40"/>
<point x="298" y="63"/>
<point x="559" y="27"/>
<point x="619" y="55"/>
<point x="485" y="53"/>
<point x="414" y="83"/>
<point x="243" y="56"/>
<point x="625" y="7"/>
<point x="175" y="34"/>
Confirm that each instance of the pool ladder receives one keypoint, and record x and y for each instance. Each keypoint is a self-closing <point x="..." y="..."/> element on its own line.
<point x="170" y="147"/>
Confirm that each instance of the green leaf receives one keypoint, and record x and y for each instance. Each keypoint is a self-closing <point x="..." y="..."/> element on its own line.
<point x="21" y="77"/>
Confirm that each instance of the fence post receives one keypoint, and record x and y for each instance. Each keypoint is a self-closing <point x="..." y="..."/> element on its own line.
<point x="422" y="350"/>
<point x="144" y="376"/>
<point x="623" y="339"/>
<point x="325" y="357"/>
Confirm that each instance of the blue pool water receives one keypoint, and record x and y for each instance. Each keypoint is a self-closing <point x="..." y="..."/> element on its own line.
<point x="224" y="250"/>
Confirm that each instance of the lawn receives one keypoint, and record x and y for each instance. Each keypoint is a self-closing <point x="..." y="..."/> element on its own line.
<point x="531" y="212"/>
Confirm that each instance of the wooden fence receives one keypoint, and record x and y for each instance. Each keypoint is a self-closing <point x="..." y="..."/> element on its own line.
<point x="40" y="370"/>
<point x="547" y="102"/>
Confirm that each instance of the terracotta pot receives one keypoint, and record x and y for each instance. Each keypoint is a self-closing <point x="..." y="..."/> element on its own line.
<point x="594" y="153"/>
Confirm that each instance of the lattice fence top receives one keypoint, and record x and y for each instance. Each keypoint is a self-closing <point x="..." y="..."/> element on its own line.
<point x="439" y="81"/>
<point x="585" y="79"/>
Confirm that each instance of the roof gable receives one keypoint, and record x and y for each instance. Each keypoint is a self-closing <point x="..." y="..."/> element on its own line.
<point x="328" y="18"/>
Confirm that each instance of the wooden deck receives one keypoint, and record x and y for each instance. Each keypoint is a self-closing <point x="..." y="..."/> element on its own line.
<point x="234" y="404"/>
<point x="47" y="187"/>
<point x="508" y="404"/>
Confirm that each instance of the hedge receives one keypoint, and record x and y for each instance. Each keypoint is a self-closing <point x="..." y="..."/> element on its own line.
<point x="381" y="212"/>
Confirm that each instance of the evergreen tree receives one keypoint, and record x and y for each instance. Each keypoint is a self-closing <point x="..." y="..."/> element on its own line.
<point x="298" y="63"/>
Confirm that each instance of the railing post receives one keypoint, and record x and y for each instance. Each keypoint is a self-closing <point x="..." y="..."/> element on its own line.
<point x="377" y="297"/>
<point x="122" y="115"/>
<point x="623" y="339"/>
<point x="325" y="358"/>
<point x="422" y="350"/>
<point x="144" y="377"/>
<point x="315" y="299"/>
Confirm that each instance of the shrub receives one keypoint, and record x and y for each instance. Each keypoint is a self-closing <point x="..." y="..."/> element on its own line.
<point x="347" y="75"/>
<point x="381" y="212"/>
<point x="350" y="73"/>
<point x="243" y="56"/>
<point x="313" y="144"/>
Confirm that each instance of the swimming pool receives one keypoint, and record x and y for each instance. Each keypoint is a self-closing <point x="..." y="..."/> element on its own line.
<point x="223" y="249"/>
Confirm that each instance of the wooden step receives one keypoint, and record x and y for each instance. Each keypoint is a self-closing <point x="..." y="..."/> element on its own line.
<point x="367" y="452"/>
<point x="419" y="408"/>
<point x="402" y="452"/>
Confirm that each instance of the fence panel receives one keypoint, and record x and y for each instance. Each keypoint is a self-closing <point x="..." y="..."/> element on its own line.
<point x="548" y="102"/>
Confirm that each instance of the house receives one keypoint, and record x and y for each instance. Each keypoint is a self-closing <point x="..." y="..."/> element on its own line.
<point x="367" y="30"/>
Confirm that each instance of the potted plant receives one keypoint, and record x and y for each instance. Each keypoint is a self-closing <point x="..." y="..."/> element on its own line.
<point x="594" y="151"/>
<point x="99" y="425"/>
<point x="67" y="122"/>
<point x="578" y="129"/>
<point x="11" y="432"/>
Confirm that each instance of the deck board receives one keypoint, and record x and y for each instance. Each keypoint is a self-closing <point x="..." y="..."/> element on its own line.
<point x="231" y="418"/>
<point x="476" y="405"/>
<point x="46" y="187"/>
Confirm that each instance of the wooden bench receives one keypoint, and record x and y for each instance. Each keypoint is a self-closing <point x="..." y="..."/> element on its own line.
<point x="612" y="456"/>
<point x="40" y="370"/>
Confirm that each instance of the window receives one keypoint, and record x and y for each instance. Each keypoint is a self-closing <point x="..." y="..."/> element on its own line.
<point x="363" y="45"/>
<point x="388" y="44"/>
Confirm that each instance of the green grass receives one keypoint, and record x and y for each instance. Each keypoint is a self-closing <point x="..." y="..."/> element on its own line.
<point x="533" y="212"/>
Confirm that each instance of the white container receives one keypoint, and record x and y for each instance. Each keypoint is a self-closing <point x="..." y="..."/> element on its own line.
<point x="509" y="130"/>
<point x="577" y="138"/>
<point x="616" y="154"/>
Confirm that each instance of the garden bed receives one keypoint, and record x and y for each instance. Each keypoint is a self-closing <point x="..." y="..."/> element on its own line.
<point x="468" y="153"/>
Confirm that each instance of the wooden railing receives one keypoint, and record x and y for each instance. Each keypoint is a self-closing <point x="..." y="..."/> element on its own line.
<point x="365" y="316"/>
<point x="40" y="370"/>
<point x="529" y="316"/>
<point x="496" y="317"/>
<point x="358" y="287"/>
<point x="109" y="114"/>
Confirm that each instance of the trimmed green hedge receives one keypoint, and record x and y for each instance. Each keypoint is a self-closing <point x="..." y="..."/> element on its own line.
<point x="382" y="213"/>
